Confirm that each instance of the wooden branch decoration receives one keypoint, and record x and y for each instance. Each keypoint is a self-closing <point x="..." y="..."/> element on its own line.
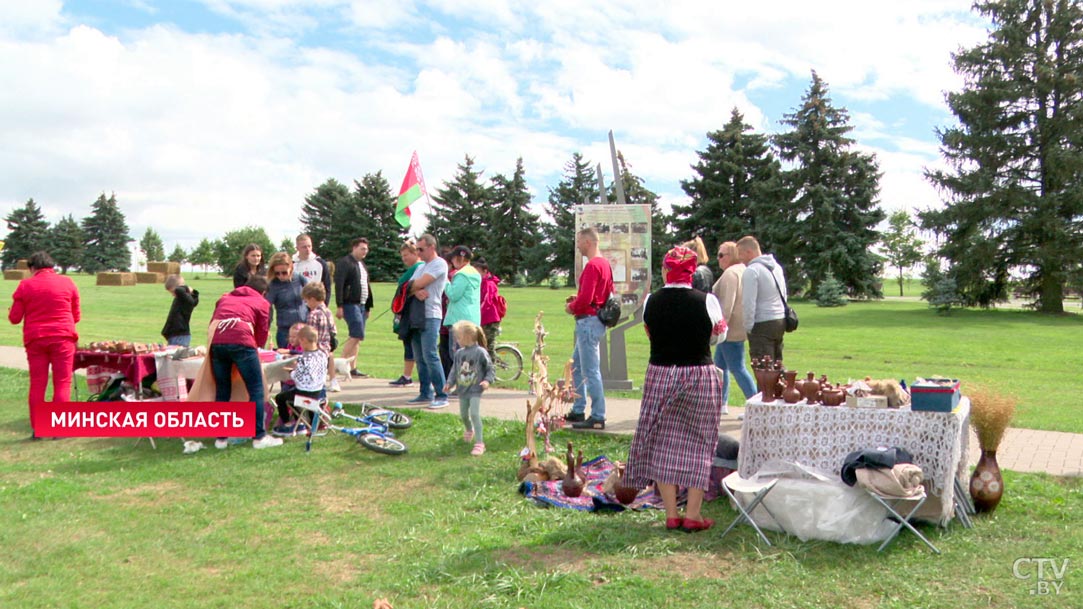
<point x="542" y="412"/>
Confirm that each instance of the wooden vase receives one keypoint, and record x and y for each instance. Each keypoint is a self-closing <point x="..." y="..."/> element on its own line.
<point x="986" y="483"/>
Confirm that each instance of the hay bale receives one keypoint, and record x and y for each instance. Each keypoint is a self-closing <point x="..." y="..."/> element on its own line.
<point x="17" y="274"/>
<point x="149" y="278"/>
<point x="22" y="264"/>
<point x="165" y="268"/>
<point x="116" y="279"/>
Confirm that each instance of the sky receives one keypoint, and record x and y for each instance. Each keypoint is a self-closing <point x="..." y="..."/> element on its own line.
<point x="205" y="116"/>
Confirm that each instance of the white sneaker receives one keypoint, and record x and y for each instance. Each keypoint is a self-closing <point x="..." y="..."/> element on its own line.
<point x="267" y="441"/>
<point x="221" y="444"/>
<point x="335" y="387"/>
<point x="725" y="409"/>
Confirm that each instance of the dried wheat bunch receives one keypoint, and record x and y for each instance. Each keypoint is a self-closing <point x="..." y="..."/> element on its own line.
<point x="990" y="414"/>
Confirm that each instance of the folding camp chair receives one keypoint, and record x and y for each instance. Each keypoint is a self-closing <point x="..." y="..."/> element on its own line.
<point x="963" y="507"/>
<point x="890" y="504"/>
<point x="313" y="406"/>
<point x="734" y="484"/>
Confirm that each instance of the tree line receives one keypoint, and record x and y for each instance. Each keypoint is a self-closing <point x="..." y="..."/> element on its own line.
<point x="1012" y="218"/>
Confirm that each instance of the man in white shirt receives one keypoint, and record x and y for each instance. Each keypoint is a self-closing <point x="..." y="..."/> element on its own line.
<point x="310" y="266"/>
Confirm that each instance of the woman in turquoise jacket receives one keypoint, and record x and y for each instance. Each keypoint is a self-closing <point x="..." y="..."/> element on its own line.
<point x="464" y="291"/>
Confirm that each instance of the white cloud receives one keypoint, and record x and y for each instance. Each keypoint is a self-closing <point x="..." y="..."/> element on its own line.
<point x="203" y="133"/>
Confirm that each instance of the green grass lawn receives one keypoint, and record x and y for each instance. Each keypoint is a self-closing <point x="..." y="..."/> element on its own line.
<point x="92" y="523"/>
<point x="1032" y="356"/>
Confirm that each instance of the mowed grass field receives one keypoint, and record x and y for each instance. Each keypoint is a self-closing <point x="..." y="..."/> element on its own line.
<point x="95" y="523"/>
<point x="1034" y="357"/>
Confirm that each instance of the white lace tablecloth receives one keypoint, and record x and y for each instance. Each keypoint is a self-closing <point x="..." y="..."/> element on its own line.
<point x="822" y="436"/>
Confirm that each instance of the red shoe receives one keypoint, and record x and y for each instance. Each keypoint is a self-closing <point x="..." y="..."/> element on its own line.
<point x="691" y="526"/>
<point x="674" y="523"/>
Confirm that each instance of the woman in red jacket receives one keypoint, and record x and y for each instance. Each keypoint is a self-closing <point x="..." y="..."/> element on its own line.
<point x="47" y="304"/>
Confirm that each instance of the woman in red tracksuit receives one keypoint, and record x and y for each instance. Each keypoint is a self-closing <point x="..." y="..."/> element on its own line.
<point x="47" y="304"/>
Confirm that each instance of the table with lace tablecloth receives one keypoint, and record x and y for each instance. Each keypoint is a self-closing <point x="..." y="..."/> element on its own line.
<point x="822" y="436"/>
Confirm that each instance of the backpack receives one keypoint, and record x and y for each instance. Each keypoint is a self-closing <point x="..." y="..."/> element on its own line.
<point x="501" y="306"/>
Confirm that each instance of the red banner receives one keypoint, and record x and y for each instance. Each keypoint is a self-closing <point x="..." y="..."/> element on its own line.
<point x="145" y="419"/>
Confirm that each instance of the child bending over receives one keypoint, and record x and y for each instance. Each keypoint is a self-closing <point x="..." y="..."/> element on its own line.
<point x="472" y="372"/>
<point x="176" y="330"/>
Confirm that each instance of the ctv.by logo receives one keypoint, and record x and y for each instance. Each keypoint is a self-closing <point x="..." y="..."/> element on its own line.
<point x="1047" y="573"/>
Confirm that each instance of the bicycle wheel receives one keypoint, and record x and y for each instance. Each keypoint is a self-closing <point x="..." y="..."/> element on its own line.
<point x="385" y="445"/>
<point x="507" y="363"/>
<point x="394" y="420"/>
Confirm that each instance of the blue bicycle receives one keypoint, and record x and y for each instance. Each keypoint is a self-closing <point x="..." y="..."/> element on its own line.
<point x="375" y="430"/>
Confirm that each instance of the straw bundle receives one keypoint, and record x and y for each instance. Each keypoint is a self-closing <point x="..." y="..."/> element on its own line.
<point x="165" y="268"/>
<point x="149" y="278"/>
<point x="22" y="263"/>
<point x="116" y="279"/>
<point x="990" y="414"/>
<point x="17" y="274"/>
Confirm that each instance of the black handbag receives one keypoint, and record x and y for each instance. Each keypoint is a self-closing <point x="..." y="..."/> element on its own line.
<point x="609" y="313"/>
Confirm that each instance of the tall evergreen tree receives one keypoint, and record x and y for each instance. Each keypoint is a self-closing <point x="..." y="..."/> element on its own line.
<point x="900" y="243"/>
<point x="1015" y="183"/>
<point x="106" y="237"/>
<point x="373" y="217"/>
<point x="323" y="215"/>
<point x="27" y="233"/>
<point x="738" y="189"/>
<point x="578" y="186"/>
<point x="831" y="221"/>
<point x="512" y="224"/>
<point x="462" y="209"/>
<point x="178" y="254"/>
<point x="152" y="246"/>
<point x="66" y="239"/>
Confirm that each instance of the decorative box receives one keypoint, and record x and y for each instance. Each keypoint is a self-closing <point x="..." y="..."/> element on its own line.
<point x="868" y="401"/>
<point x="935" y="396"/>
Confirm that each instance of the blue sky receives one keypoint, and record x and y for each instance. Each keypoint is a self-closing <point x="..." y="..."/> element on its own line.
<point x="208" y="115"/>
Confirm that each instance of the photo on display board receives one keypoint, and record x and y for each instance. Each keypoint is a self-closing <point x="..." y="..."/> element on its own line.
<point x="639" y="253"/>
<point x="619" y="263"/>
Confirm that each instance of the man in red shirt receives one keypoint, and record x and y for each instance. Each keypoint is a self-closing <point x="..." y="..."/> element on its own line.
<point x="47" y="304"/>
<point x="595" y="286"/>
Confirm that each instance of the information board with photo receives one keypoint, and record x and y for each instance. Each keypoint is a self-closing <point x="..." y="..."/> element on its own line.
<point x="624" y="238"/>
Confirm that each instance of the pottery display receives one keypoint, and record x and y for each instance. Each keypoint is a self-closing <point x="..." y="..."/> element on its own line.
<point x="574" y="480"/>
<point x="791" y="394"/>
<point x="986" y="483"/>
<point x="811" y="389"/>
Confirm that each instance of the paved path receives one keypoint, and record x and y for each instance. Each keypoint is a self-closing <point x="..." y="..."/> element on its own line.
<point x="1023" y="450"/>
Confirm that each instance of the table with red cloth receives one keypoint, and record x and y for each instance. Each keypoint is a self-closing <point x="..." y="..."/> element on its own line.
<point x="134" y="366"/>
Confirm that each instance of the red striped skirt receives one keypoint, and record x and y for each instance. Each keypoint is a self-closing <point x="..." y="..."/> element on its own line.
<point x="675" y="439"/>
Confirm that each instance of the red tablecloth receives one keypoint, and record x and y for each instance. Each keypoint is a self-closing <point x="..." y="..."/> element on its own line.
<point x="133" y="366"/>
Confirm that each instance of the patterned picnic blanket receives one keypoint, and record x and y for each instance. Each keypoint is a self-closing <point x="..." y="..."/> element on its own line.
<point x="596" y="470"/>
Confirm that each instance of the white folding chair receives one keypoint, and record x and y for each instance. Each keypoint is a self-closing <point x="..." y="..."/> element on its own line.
<point x="302" y="404"/>
<point x="733" y="485"/>
<point x="891" y="505"/>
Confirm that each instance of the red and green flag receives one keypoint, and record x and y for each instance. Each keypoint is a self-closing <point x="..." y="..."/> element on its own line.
<point x="413" y="188"/>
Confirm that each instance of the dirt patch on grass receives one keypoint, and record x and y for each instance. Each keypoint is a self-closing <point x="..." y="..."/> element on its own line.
<point x="683" y="565"/>
<point x="543" y="559"/>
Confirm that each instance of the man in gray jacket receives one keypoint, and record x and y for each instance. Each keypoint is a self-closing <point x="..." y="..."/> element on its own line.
<point x="763" y="285"/>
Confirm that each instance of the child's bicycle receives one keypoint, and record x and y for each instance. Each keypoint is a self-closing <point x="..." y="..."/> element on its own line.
<point x="375" y="430"/>
<point x="507" y="362"/>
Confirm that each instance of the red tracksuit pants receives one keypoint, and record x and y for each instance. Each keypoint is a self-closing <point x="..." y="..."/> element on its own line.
<point x="41" y="354"/>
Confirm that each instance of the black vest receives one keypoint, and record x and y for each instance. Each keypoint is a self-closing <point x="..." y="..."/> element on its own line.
<point x="680" y="327"/>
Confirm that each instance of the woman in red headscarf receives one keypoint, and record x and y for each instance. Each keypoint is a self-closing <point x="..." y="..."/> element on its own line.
<point x="677" y="432"/>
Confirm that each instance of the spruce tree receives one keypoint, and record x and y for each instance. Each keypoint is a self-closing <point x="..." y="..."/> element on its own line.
<point x="322" y="216"/>
<point x="830" y="292"/>
<point x="27" y="233"/>
<point x="1015" y="185"/>
<point x="579" y="186"/>
<point x="106" y="237"/>
<point x="462" y="209"/>
<point x="372" y="216"/>
<point x="830" y="222"/>
<point x="513" y="227"/>
<point x="152" y="246"/>
<point x="66" y="240"/>
<point x="737" y="190"/>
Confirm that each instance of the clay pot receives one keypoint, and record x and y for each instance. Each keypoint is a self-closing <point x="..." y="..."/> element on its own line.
<point x="986" y="483"/>
<point x="811" y="389"/>
<point x="574" y="481"/>
<point x="624" y="494"/>
<point x="769" y="387"/>
<point x="833" y="397"/>
<point x="791" y="394"/>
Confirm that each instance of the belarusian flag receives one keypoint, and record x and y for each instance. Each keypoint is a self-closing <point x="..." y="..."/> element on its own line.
<point x="413" y="187"/>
